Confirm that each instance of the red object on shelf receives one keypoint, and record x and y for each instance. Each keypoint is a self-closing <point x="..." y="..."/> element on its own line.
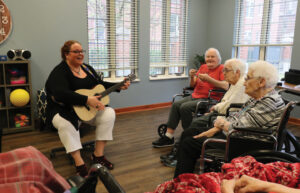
<point x="19" y="80"/>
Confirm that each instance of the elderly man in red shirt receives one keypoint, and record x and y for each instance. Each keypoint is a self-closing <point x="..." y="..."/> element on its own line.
<point x="209" y="76"/>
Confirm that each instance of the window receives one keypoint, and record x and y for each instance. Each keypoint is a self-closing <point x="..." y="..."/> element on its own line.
<point x="113" y="37"/>
<point x="268" y="35"/>
<point x="168" y="38"/>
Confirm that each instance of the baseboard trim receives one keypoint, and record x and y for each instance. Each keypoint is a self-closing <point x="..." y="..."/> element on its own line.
<point x="142" y="108"/>
<point x="294" y="121"/>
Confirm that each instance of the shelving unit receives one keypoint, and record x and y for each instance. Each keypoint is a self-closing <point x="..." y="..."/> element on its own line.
<point x="8" y="111"/>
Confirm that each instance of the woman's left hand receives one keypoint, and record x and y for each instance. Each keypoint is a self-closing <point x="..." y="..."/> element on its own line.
<point x="203" y="77"/>
<point x="126" y="85"/>
<point x="208" y="133"/>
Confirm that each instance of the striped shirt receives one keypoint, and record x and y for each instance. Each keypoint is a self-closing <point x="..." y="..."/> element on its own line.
<point x="264" y="113"/>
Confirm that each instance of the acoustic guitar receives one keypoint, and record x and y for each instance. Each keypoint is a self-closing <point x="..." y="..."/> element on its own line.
<point x="87" y="112"/>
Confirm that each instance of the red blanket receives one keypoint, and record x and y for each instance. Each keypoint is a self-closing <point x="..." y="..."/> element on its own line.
<point x="279" y="172"/>
<point x="28" y="170"/>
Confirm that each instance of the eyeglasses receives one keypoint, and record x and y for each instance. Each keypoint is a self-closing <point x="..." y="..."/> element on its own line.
<point x="78" y="51"/>
<point x="226" y="70"/>
<point x="248" y="78"/>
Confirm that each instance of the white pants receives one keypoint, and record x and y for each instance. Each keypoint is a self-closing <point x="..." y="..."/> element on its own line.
<point x="70" y="137"/>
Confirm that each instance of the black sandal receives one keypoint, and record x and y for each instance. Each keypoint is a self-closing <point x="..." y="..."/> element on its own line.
<point x="103" y="161"/>
<point x="82" y="170"/>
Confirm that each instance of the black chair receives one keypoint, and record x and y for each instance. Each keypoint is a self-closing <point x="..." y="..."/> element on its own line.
<point x="291" y="144"/>
<point x="209" y="103"/>
<point x="236" y="146"/>
<point x="88" y="185"/>
<point x="41" y="108"/>
<point x="162" y="129"/>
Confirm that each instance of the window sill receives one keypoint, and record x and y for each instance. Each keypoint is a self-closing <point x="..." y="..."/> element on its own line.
<point x="165" y="77"/>
<point x="118" y="80"/>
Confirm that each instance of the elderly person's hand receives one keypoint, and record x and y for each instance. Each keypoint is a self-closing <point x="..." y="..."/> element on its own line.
<point x="126" y="85"/>
<point x="211" y="132"/>
<point x="204" y="77"/>
<point x="192" y="73"/>
<point x="250" y="184"/>
<point x="222" y="123"/>
<point x="227" y="186"/>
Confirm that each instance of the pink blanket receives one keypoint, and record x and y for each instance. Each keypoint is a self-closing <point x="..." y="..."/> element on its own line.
<point x="28" y="170"/>
<point x="279" y="172"/>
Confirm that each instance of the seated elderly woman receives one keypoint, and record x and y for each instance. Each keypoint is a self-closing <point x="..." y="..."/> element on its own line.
<point x="262" y="110"/>
<point x="209" y="76"/>
<point x="234" y="71"/>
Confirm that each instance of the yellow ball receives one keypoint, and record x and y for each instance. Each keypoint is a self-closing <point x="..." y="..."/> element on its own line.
<point x="19" y="97"/>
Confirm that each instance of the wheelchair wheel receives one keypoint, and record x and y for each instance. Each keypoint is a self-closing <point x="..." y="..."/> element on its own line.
<point x="267" y="156"/>
<point x="162" y="129"/>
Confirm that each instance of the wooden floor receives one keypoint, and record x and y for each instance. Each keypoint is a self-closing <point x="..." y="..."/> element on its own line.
<point x="137" y="164"/>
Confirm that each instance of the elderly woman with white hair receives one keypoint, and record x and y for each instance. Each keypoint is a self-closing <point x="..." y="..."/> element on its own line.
<point x="262" y="110"/>
<point x="234" y="72"/>
<point x="209" y="76"/>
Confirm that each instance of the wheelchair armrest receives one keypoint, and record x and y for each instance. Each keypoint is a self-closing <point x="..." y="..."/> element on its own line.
<point x="110" y="183"/>
<point x="236" y="105"/>
<point x="218" y="90"/>
<point x="209" y="140"/>
<point x="198" y="105"/>
<point x="176" y="95"/>
<point x="233" y="106"/>
<point x="254" y="130"/>
<point x="188" y="88"/>
<point x="214" y="115"/>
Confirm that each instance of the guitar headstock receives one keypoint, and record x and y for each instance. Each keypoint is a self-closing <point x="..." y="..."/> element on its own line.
<point x="131" y="77"/>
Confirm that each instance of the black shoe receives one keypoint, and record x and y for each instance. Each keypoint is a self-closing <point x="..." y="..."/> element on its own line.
<point x="170" y="155"/>
<point x="170" y="163"/>
<point x="103" y="161"/>
<point x="164" y="141"/>
<point x="82" y="170"/>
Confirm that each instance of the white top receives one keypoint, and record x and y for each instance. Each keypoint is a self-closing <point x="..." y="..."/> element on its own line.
<point x="235" y="94"/>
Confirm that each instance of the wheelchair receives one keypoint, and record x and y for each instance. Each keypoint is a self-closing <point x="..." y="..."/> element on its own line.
<point x="88" y="184"/>
<point x="162" y="129"/>
<point x="272" y="149"/>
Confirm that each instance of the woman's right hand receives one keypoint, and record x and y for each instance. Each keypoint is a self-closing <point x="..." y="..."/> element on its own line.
<point x="192" y="72"/>
<point x="93" y="101"/>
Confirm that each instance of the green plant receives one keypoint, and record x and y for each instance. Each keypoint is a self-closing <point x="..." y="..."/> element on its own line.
<point x="199" y="60"/>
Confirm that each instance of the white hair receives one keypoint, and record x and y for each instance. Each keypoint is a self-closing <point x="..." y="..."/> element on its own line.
<point x="236" y="64"/>
<point x="265" y="70"/>
<point x="217" y="53"/>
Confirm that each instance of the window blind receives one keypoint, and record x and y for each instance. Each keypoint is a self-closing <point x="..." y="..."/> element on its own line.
<point x="113" y="36"/>
<point x="264" y="29"/>
<point x="168" y="36"/>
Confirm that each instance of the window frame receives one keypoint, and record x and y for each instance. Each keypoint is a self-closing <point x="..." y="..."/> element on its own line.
<point x="263" y="45"/>
<point x="111" y="41"/>
<point x="165" y="47"/>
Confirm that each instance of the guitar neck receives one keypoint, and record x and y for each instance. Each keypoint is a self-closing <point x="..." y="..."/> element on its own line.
<point x="111" y="89"/>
